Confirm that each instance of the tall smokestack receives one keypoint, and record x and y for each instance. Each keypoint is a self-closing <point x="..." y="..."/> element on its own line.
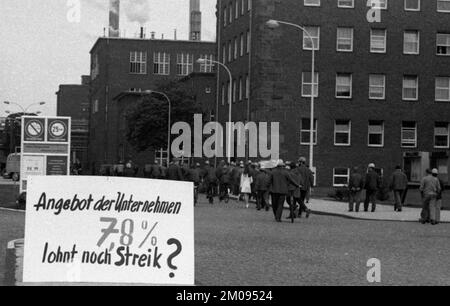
<point x="114" y="18"/>
<point x="195" y="26"/>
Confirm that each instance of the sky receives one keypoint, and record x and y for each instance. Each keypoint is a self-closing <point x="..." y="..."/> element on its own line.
<point x="43" y="45"/>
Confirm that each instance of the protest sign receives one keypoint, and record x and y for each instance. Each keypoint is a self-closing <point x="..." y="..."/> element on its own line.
<point x="109" y="230"/>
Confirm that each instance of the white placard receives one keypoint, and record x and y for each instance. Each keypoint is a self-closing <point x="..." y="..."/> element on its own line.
<point x="109" y="230"/>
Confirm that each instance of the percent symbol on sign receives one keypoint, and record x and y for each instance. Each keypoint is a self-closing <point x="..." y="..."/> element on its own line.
<point x="144" y="227"/>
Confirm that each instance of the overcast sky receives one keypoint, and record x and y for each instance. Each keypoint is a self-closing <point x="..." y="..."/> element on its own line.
<point x="41" y="49"/>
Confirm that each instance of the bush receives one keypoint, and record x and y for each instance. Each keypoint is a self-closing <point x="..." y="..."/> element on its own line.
<point x="22" y="201"/>
<point x="340" y="194"/>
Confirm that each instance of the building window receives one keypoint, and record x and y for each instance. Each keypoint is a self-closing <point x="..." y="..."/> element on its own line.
<point x="443" y="89"/>
<point x="307" y="84"/>
<point x="342" y="132"/>
<point x="242" y="7"/>
<point x="412" y="5"/>
<point x="224" y="94"/>
<point x="312" y="2"/>
<point x="242" y="45"/>
<point x="138" y="62"/>
<point x="443" y="5"/>
<point x="441" y="135"/>
<point x="443" y="44"/>
<point x="225" y="16"/>
<point x="208" y="65"/>
<point x="248" y="41"/>
<point x="249" y="5"/>
<point x="344" y="39"/>
<point x="231" y="13"/>
<point x="247" y="87"/>
<point x="409" y="134"/>
<point x="236" y="48"/>
<point x="161" y="63"/>
<point x="378" y="40"/>
<point x="95" y="67"/>
<point x="241" y="89"/>
<point x="346" y="3"/>
<point x="377" y="86"/>
<point x="341" y="177"/>
<point x="95" y="107"/>
<point x="230" y="52"/>
<point x="185" y="63"/>
<point x="315" y="35"/>
<point x="380" y="4"/>
<point x="411" y="87"/>
<point x="411" y="43"/>
<point x="305" y="135"/>
<point x="344" y="85"/>
<point x="234" y="91"/>
<point x="376" y="133"/>
<point x="224" y="54"/>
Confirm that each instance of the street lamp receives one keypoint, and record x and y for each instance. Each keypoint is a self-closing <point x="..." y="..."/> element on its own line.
<point x="24" y="110"/>
<point x="273" y="24"/>
<point x="151" y="92"/>
<point x="230" y="102"/>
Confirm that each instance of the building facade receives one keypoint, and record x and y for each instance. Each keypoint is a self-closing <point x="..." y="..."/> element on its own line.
<point x="121" y="65"/>
<point x="382" y="86"/>
<point x="73" y="101"/>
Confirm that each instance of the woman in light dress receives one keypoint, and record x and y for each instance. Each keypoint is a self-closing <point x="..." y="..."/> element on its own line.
<point x="246" y="185"/>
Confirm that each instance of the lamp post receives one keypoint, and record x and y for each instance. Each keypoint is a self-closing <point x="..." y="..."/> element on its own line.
<point x="151" y="92"/>
<point x="24" y="110"/>
<point x="230" y="102"/>
<point x="273" y="24"/>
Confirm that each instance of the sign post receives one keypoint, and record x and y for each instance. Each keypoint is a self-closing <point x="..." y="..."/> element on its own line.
<point x="45" y="147"/>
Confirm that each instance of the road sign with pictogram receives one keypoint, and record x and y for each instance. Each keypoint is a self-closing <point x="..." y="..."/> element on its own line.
<point x="45" y="147"/>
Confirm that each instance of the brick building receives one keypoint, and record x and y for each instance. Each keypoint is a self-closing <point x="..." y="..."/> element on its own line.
<point x="383" y="88"/>
<point x="73" y="101"/>
<point x="119" y="65"/>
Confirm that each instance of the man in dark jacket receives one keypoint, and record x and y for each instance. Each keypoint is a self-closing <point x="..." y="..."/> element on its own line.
<point x="155" y="171"/>
<point x="355" y="187"/>
<point x="307" y="182"/>
<point x="174" y="172"/>
<point x="224" y="177"/>
<point x="279" y="183"/>
<point x="372" y="184"/>
<point x="262" y="186"/>
<point x="399" y="183"/>
<point x="210" y="180"/>
<point x="195" y="177"/>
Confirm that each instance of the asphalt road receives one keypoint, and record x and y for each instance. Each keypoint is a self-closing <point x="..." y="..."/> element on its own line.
<point x="238" y="246"/>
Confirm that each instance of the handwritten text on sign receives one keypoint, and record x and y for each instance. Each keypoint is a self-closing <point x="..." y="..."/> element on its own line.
<point x="109" y="230"/>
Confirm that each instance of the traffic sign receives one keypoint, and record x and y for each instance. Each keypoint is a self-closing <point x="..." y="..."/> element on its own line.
<point x="34" y="129"/>
<point x="58" y="130"/>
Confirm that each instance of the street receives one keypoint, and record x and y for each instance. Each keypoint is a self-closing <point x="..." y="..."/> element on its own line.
<point x="237" y="247"/>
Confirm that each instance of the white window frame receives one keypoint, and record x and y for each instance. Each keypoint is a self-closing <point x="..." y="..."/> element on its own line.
<point x="249" y="39"/>
<point x="371" y="86"/>
<point x="405" y="88"/>
<point x="224" y="94"/>
<point x="437" y="88"/>
<point x="138" y="61"/>
<point x="412" y="9"/>
<point x="185" y="64"/>
<point x="311" y="2"/>
<point x="346" y="39"/>
<point x="241" y="89"/>
<point x="208" y="65"/>
<point x="447" y="134"/>
<point x="307" y="41"/>
<point x="236" y="48"/>
<point x="417" y="35"/>
<point x="382" y="134"/>
<point x="307" y="129"/>
<point x="242" y="45"/>
<point x="447" y="2"/>
<point x="310" y="83"/>
<point x="161" y="63"/>
<point x="247" y="87"/>
<point x="372" y="50"/>
<point x="349" y="132"/>
<point x="383" y="4"/>
<point x="447" y="45"/>
<point x="337" y="85"/>
<point x="342" y="3"/>
<point x="407" y="143"/>
<point x="347" y="176"/>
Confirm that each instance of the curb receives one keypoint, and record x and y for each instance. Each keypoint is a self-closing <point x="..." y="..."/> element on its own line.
<point x="12" y="210"/>
<point x="321" y="213"/>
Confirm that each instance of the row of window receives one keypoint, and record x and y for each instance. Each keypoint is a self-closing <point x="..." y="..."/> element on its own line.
<point x="377" y="86"/>
<point x="375" y="135"/>
<point x="378" y="40"/>
<point x="238" y="93"/>
<point x="409" y="5"/>
<point x="161" y="63"/>
<point x="234" y="10"/>
<point x="236" y="48"/>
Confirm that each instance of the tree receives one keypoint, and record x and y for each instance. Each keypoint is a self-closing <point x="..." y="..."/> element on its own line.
<point x="147" y="120"/>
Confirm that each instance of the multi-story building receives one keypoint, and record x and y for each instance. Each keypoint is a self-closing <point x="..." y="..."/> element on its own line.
<point x="382" y="87"/>
<point x="4" y="151"/>
<point x="119" y="65"/>
<point x="73" y="101"/>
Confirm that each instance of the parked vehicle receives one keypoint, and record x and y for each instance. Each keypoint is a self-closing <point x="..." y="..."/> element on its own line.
<point x="12" y="170"/>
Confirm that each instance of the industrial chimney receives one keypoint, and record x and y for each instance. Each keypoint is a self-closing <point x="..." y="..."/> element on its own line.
<point x="114" y="18"/>
<point x="195" y="27"/>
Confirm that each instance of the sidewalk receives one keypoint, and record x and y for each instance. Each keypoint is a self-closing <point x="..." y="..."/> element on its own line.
<point x="383" y="213"/>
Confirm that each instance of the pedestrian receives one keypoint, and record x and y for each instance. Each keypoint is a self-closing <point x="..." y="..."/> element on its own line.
<point x="307" y="182"/>
<point x="262" y="185"/>
<point x="372" y="185"/>
<point x="294" y="192"/>
<point x="436" y="204"/>
<point x="279" y="187"/>
<point x="131" y="169"/>
<point x="355" y="187"/>
<point x="195" y="176"/>
<point x="174" y="172"/>
<point x="155" y="171"/>
<point x="429" y="188"/>
<point x="399" y="183"/>
<point x="245" y="185"/>
<point x="224" y="183"/>
<point x="210" y="180"/>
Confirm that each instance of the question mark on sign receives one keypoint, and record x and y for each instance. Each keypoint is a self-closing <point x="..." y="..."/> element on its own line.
<point x="173" y="255"/>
